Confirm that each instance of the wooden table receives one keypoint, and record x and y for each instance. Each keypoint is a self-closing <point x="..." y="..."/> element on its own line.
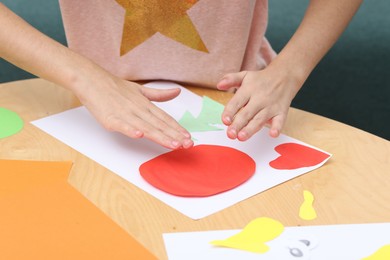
<point x="352" y="187"/>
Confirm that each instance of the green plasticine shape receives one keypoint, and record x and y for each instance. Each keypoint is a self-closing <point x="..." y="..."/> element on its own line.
<point x="211" y="111"/>
<point x="210" y="115"/>
<point x="192" y="124"/>
<point x="10" y="123"/>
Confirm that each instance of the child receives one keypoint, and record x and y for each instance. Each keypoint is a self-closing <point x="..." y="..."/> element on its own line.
<point x="210" y="43"/>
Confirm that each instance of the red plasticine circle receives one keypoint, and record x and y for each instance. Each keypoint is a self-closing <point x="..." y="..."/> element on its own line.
<point x="200" y="171"/>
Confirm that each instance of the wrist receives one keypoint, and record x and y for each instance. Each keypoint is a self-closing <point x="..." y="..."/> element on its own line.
<point x="290" y="75"/>
<point x="81" y="75"/>
<point x="292" y="68"/>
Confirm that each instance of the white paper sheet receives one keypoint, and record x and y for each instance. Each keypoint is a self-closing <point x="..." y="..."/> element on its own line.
<point x="123" y="156"/>
<point x="336" y="242"/>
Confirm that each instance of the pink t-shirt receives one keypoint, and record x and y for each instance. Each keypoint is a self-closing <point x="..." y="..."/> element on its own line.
<point x="189" y="41"/>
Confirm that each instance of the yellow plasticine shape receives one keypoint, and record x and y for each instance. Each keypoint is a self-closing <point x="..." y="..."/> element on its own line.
<point x="382" y="253"/>
<point x="306" y="211"/>
<point x="253" y="237"/>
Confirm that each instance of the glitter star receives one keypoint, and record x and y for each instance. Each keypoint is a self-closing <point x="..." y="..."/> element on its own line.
<point x="144" y="18"/>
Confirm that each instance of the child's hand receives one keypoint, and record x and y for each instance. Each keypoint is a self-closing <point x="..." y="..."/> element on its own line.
<point x="126" y="107"/>
<point x="263" y="97"/>
<point x="117" y="104"/>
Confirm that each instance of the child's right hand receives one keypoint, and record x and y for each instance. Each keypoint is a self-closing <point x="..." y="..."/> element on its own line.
<point x="117" y="104"/>
<point x="126" y="107"/>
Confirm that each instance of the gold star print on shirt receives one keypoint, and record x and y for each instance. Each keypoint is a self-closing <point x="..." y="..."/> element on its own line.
<point x="144" y="18"/>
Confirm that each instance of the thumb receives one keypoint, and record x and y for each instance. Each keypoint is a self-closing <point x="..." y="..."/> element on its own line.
<point x="160" y="94"/>
<point x="232" y="80"/>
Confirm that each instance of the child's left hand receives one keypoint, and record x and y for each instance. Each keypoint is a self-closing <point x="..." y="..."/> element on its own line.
<point x="262" y="97"/>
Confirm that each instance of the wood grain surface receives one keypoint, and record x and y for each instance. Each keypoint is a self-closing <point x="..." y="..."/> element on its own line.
<point x="352" y="187"/>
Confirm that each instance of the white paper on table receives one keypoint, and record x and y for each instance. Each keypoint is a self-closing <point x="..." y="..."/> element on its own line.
<point x="336" y="242"/>
<point x="123" y="156"/>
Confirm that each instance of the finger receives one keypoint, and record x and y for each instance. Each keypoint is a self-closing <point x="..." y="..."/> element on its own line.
<point x="164" y="138"/>
<point x="258" y="123"/>
<point x="168" y="124"/>
<point x="160" y="95"/>
<point x="250" y="120"/>
<point x="238" y="101"/>
<point x="160" y="120"/>
<point x="152" y="133"/>
<point x="253" y="126"/>
<point x="232" y="80"/>
<point x="277" y="124"/>
<point x="242" y="118"/>
<point x="120" y="126"/>
<point x="140" y="127"/>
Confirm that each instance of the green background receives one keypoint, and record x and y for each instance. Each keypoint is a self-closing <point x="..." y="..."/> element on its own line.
<point x="351" y="84"/>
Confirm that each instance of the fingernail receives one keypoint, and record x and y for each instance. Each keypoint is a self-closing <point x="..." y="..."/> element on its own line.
<point x="187" y="135"/>
<point x="222" y="82"/>
<point x="175" y="144"/>
<point x="242" y="135"/>
<point x="228" y="120"/>
<point x="232" y="133"/>
<point x="274" y="133"/>
<point x="138" y="134"/>
<point x="188" y="143"/>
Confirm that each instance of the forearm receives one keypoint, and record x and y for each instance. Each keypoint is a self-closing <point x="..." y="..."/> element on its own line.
<point x="119" y="105"/>
<point x="29" y="49"/>
<point x="323" y="23"/>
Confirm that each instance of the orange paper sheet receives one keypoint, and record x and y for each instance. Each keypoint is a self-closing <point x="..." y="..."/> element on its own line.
<point x="43" y="217"/>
